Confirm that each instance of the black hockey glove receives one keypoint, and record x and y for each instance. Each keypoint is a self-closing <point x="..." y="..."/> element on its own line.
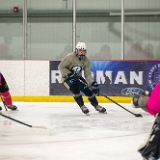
<point x="73" y="76"/>
<point x="75" y="72"/>
<point x="95" y="88"/>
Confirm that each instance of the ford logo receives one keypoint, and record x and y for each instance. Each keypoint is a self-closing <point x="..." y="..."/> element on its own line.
<point x="131" y="91"/>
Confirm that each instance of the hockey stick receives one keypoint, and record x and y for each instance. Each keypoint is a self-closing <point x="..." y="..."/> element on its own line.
<point x="28" y="125"/>
<point x="136" y="115"/>
<point x="3" y="102"/>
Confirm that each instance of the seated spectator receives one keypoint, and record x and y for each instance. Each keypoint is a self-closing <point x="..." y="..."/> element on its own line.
<point x="103" y="54"/>
<point x="134" y="53"/>
<point x="158" y="52"/>
<point x="148" y="52"/>
<point x="4" y="48"/>
<point x="67" y="49"/>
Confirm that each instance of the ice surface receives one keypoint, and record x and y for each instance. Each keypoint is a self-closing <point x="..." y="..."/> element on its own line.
<point x="71" y="135"/>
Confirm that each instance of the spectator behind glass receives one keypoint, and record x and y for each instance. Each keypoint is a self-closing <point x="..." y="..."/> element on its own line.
<point x="103" y="54"/>
<point x="4" y="48"/>
<point x="67" y="49"/>
<point x="135" y="52"/>
<point x="148" y="52"/>
<point x="158" y="52"/>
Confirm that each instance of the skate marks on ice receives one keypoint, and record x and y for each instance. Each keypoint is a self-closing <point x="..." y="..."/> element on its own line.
<point x="69" y="120"/>
<point x="64" y="119"/>
<point x="97" y="125"/>
<point x="99" y="136"/>
<point x="27" y="114"/>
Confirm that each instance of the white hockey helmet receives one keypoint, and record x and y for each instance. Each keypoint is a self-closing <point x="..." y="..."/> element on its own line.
<point x="81" y="45"/>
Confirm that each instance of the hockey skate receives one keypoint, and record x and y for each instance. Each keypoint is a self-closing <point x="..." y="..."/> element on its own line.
<point x="100" y="109"/>
<point x="13" y="107"/>
<point x="85" y="110"/>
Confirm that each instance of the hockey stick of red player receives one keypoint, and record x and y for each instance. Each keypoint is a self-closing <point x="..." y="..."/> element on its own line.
<point x="136" y="115"/>
<point x="3" y="102"/>
<point x="28" y="125"/>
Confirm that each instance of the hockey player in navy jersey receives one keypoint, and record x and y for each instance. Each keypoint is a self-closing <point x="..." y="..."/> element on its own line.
<point x="71" y="67"/>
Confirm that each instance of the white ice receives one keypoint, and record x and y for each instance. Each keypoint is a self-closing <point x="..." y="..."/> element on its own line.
<point x="71" y="135"/>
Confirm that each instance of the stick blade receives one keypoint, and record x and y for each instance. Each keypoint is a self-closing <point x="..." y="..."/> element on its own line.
<point x="138" y="115"/>
<point x="42" y="127"/>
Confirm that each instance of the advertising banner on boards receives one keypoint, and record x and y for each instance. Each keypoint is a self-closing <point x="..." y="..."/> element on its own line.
<point x="115" y="78"/>
<point x="152" y="76"/>
<point x="126" y="78"/>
